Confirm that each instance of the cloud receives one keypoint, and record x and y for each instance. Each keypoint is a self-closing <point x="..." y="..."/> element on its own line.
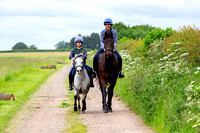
<point x="46" y="22"/>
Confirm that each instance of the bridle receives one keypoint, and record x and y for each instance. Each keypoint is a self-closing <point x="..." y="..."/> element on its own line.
<point x="79" y="66"/>
<point x="109" y="49"/>
<point x="108" y="42"/>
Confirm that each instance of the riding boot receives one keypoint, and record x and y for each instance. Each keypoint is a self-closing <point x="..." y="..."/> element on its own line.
<point x="95" y="63"/>
<point x="90" y="74"/>
<point x="120" y="74"/>
<point x="91" y="82"/>
<point x="71" y="81"/>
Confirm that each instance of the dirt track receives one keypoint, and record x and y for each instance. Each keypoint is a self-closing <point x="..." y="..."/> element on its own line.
<point x="121" y="120"/>
<point x="43" y="114"/>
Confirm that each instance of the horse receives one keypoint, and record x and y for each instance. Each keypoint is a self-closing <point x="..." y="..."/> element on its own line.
<point x="81" y="83"/>
<point x="107" y="72"/>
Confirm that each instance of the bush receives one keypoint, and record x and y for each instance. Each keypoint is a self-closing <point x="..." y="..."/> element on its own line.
<point x="163" y="86"/>
<point x="156" y="34"/>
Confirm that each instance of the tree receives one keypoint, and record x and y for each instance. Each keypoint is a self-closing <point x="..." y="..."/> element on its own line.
<point x="67" y="45"/>
<point x="19" y="46"/>
<point x="94" y="41"/>
<point x="60" y="45"/>
<point x="134" y="32"/>
<point x="72" y="42"/>
<point x="33" y="47"/>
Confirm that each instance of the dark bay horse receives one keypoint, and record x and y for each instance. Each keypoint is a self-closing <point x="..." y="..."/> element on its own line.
<point x="108" y="72"/>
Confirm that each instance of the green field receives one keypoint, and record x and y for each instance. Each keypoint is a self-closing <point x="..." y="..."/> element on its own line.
<point x="21" y="75"/>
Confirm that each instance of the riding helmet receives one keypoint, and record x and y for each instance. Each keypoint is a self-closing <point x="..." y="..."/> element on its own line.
<point x="78" y="39"/>
<point x="108" y="21"/>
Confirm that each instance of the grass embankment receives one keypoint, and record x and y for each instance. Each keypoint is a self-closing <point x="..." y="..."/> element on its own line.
<point x="164" y="85"/>
<point x="21" y="75"/>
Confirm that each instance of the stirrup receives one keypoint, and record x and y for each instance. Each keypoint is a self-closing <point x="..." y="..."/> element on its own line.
<point x="121" y="75"/>
<point x="70" y="88"/>
<point x="91" y="84"/>
<point x="93" y="75"/>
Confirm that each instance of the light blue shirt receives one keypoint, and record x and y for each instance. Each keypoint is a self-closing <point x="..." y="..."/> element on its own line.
<point x="114" y="36"/>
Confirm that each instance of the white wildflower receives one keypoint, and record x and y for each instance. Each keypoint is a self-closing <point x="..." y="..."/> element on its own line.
<point x="184" y="54"/>
<point x="176" y="43"/>
<point x="198" y="68"/>
<point x="131" y="63"/>
<point x="190" y="119"/>
<point x="189" y="112"/>
<point x="189" y="98"/>
<point x="164" y="58"/>
<point x="170" y="54"/>
<point x="196" y="72"/>
<point x="196" y="125"/>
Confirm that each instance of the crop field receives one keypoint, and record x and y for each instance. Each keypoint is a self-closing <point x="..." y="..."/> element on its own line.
<point x="21" y="75"/>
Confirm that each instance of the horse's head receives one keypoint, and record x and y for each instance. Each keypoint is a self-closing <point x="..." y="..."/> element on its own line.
<point x="108" y="42"/>
<point x="79" y="63"/>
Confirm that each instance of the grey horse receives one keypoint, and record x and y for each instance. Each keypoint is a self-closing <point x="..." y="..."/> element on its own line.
<point x="81" y="83"/>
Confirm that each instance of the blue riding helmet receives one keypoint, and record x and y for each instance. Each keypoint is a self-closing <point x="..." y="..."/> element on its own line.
<point x="78" y="39"/>
<point x="108" y="21"/>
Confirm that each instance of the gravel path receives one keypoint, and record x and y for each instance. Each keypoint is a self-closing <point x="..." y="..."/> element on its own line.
<point x="42" y="113"/>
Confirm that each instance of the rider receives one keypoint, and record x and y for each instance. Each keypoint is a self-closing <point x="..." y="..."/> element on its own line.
<point x="79" y="49"/>
<point x="108" y="24"/>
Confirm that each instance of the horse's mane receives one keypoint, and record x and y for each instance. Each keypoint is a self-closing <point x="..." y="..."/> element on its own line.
<point x="108" y="35"/>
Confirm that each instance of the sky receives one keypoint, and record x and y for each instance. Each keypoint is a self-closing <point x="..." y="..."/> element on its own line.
<point x="44" y="23"/>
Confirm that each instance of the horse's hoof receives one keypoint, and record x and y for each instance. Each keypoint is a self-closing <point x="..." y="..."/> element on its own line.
<point x="75" y="109"/>
<point x="83" y="108"/>
<point x="105" y="109"/>
<point x="82" y="112"/>
<point x="109" y="110"/>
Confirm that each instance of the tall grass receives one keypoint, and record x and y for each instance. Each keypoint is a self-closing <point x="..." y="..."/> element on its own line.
<point x="21" y="75"/>
<point x="163" y="86"/>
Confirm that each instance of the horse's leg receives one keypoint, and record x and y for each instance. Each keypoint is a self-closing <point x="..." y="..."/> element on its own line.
<point x="110" y="95"/>
<point x="79" y="105"/>
<point x="75" y="99"/>
<point x="104" y="94"/>
<point x="84" y="102"/>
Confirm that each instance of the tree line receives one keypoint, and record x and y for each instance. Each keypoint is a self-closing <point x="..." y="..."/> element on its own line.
<point x="90" y="42"/>
<point x="93" y="41"/>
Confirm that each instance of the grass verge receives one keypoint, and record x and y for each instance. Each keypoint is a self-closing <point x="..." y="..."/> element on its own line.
<point x="74" y="124"/>
<point x="22" y="76"/>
